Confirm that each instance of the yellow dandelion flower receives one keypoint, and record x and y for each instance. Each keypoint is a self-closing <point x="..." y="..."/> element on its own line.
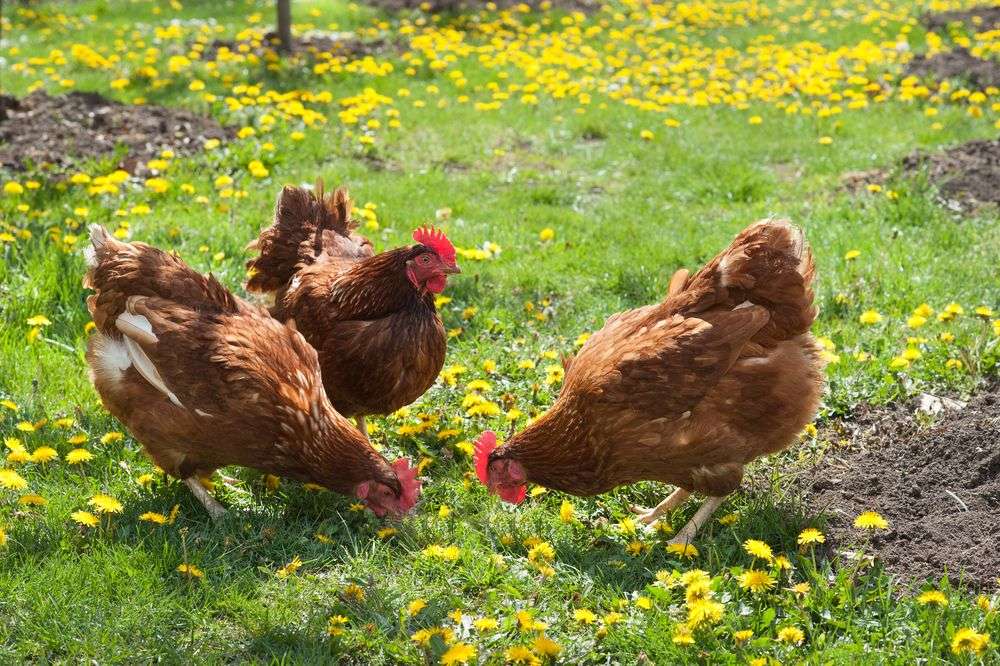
<point x="85" y="518"/>
<point x="684" y="550"/>
<point x="351" y="590"/>
<point x="584" y="616"/>
<point x="566" y="512"/>
<point x="459" y="653"/>
<point x="108" y="438"/>
<point x="612" y="618"/>
<point x="742" y="636"/>
<point x="105" y="504"/>
<point x="520" y="654"/>
<point x="683" y="635"/>
<point x="18" y="456"/>
<point x="546" y="646"/>
<point x="44" y="454"/>
<point x="485" y="624"/>
<point x="153" y="517"/>
<point x="810" y="536"/>
<point x="290" y="568"/>
<point x="78" y="456"/>
<point x="443" y="553"/>
<point x="932" y="598"/>
<point x="870" y="520"/>
<point x="801" y="589"/>
<point x="704" y="611"/>
<point x="791" y="635"/>
<point x="870" y="317"/>
<point x="756" y="581"/>
<point x="969" y="640"/>
<point x="758" y="549"/>
<point x="32" y="500"/>
<point x="335" y="625"/>
<point x="11" y="480"/>
<point x="415" y="607"/>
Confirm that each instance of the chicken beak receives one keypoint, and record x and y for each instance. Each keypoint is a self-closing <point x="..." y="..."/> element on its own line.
<point x="452" y="270"/>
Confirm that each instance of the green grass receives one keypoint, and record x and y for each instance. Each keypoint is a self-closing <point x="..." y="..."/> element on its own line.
<point x="626" y="213"/>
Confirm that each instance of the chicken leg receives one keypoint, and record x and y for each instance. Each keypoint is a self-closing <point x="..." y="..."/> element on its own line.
<point x="233" y="484"/>
<point x="674" y="500"/>
<point x="700" y="517"/>
<point x="215" y="510"/>
<point x="362" y="426"/>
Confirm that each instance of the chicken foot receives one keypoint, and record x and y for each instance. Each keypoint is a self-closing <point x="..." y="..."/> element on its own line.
<point x="232" y="484"/>
<point x="362" y="426"/>
<point x="674" y="500"/>
<point x="215" y="510"/>
<point x="700" y="517"/>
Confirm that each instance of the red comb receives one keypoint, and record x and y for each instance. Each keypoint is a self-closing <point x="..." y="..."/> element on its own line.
<point x="409" y="483"/>
<point x="437" y="241"/>
<point x="485" y="445"/>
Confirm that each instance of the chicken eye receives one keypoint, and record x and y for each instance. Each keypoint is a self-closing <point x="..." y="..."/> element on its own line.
<point x="424" y="259"/>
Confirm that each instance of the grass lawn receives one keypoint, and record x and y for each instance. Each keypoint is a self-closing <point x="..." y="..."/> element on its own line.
<point x="577" y="160"/>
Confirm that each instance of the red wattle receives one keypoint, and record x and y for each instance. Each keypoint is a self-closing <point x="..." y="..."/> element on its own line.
<point x="514" y="495"/>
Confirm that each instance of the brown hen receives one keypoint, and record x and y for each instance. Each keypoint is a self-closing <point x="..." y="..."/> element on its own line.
<point x="687" y="391"/>
<point x="371" y="318"/>
<point x="204" y="379"/>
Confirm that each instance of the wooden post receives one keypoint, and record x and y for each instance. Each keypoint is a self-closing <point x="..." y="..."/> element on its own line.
<point x="285" y="25"/>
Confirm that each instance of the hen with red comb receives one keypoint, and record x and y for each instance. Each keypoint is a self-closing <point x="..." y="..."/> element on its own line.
<point x="371" y="317"/>
<point x="686" y="391"/>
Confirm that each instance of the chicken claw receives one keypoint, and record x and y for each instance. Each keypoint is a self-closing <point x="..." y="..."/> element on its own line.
<point x="362" y="425"/>
<point x="649" y="516"/>
<point x="687" y="533"/>
<point x="215" y="510"/>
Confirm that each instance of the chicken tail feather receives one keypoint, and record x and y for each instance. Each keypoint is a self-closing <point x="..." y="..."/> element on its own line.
<point x="768" y="264"/>
<point x="306" y="224"/>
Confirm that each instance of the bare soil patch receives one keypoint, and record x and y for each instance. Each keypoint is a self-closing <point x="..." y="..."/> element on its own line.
<point x="54" y="132"/>
<point x="345" y="44"/>
<point x="939" y="487"/>
<point x="979" y="19"/>
<point x="460" y="6"/>
<point x="956" y="64"/>
<point x="966" y="176"/>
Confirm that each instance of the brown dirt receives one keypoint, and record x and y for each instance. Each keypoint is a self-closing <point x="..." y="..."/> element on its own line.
<point x="905" y="472"/>
<point x="979" y="19"/>
<point x="966" y="175"/>
<point x="460" y="6"/>
<point x="343" y="44"/>
<point x="956" y="64"/>
<point x="53" y="133"/>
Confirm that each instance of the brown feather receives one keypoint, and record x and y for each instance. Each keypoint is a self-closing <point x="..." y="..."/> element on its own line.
<point x="249" y="388"/>
<point x="380" y="341"/>
<point x="689" y="390"/>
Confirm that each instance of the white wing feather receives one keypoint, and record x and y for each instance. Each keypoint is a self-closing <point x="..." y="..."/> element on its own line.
<point x="138" y="329"/>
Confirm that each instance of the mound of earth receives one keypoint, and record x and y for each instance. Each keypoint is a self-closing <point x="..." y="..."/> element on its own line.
<point x="461" y="6"/>
<point x="979" y="19"/>
<point x="956" y="64"/>
<point x="53" y="132"/>
<point x="345" y="44"/>
<point x="939" y="487"/>
<point x="966" y="176"/>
